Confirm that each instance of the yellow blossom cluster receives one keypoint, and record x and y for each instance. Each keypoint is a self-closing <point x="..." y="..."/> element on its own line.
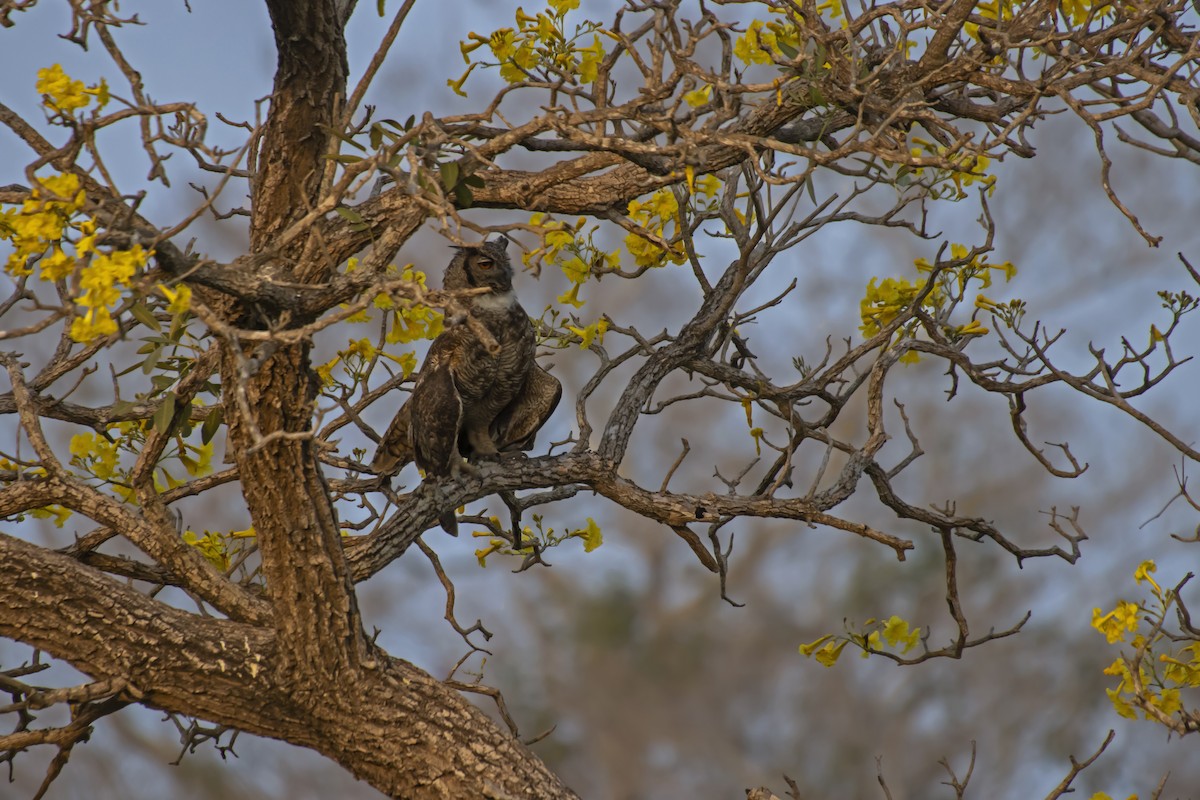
<point x="410" y="322"/>
<point x="99" y="455"/>
<point x="45" y="227"/>
<point x="886" y="299"/>
<point x="356" y="357"/>
<point x="540" y="46"/>
<point x="413" y="322"/>
<point x="766" y="42"/>
<point x="215" y="545"/>
<point x="100" y="283"/>
<point x="573" y="250"/>
<point x="590" y="534"/>
<point x="590" y="333"/>
<point x="894" y="631"/>
<point x="1152" y="676"/>
<point x="969" y="168"/>
<point x="654" y="214"/>
<point x="41" y="222"/>
<point x="64" y="94"/>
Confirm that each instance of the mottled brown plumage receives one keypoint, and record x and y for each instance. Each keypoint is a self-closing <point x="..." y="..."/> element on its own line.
<point x="467" y="402"/>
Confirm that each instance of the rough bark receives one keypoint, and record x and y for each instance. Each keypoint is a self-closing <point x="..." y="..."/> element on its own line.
<point x="388" y="722"/>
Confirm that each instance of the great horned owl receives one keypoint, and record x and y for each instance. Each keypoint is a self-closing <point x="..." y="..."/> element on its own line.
<point x="467" y="402"/>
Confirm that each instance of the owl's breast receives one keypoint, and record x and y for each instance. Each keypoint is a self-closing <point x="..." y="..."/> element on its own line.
<point x="489" y="382"/>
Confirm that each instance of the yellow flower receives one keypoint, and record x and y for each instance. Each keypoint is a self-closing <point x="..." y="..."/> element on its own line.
<point x="457" y="85"/>
<point x="62" y="93"/>
<point x="211" y="546"/>
<point x="417" y="322"/>
<point x="1142" y="573"/>
<point x="808" y="649"/>
<point x="94" y="323"/>
<point x="359" y="347"/>
<point x="100" y="92"/>
<point x="65" y="186"/>
<point x="896" y="631"/>
<point x="571" y="297"/>
<point x="482" y="553"/>
<point x="708" y="185"/>
<point x="407" y="361"/>
<point x="57" y="265"/>
<point x="473" y="43"/>
<point x="589" y="65"/>
<point x="591" y="535"/>
<point x="828" y="655"/>
<point x="1116" y="623"/>
<point x="753" y="45"/>
<point x="972" y="328"/>
<point x="87" y="242"/>
<point x="57" y="513"/>
<point x="698" y="97"/>
<point x="576" y="270"/>
<point x="985" y="303"/>
<point x="594" y="332"/>
<point x="325" y="371"/>
<point x="94" y="452"/>
<point x="179" y="298"/>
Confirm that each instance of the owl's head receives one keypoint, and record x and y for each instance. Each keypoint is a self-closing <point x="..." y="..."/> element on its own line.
<point x="483" y="264"/>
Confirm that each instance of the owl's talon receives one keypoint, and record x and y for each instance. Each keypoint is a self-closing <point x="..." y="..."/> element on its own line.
<point x="464" y="469"/>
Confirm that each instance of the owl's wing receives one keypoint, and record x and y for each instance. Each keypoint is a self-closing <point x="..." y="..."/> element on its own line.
<point x="436" y="418"/>
<point x="518" y="424"/>
<point x="395" y="448"/>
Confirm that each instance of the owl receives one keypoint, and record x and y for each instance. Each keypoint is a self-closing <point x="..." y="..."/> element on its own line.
<point x="468" y="403"/>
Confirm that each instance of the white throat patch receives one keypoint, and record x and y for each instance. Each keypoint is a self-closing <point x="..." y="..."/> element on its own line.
<point x="495" y="302"/>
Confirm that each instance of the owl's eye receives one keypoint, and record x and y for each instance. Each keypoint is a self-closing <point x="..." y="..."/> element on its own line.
<point x="485" y="263"/>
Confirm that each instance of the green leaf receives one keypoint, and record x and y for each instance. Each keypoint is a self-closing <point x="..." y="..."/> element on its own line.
<point x="376" y="136"/>
<point x="343" y="137"/>
<point x="449" y="172"/>
<point x="145" y="316"/>
<point x="164" y="414"/>
<point x="475" y="181"/>
<point x="178" y="326"/>
<point x="212" y="423"/>
<point x="122" y="407"/>
<point x="151" y="362"/>
<point x="462" y="196"/>
<point x="349" y="214"/>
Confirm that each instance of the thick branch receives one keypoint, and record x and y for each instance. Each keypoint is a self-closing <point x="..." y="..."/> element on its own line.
<point x="391" y="724"/>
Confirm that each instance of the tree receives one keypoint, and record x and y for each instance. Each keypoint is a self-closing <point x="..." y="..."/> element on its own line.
<point x="716" y="139"/>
